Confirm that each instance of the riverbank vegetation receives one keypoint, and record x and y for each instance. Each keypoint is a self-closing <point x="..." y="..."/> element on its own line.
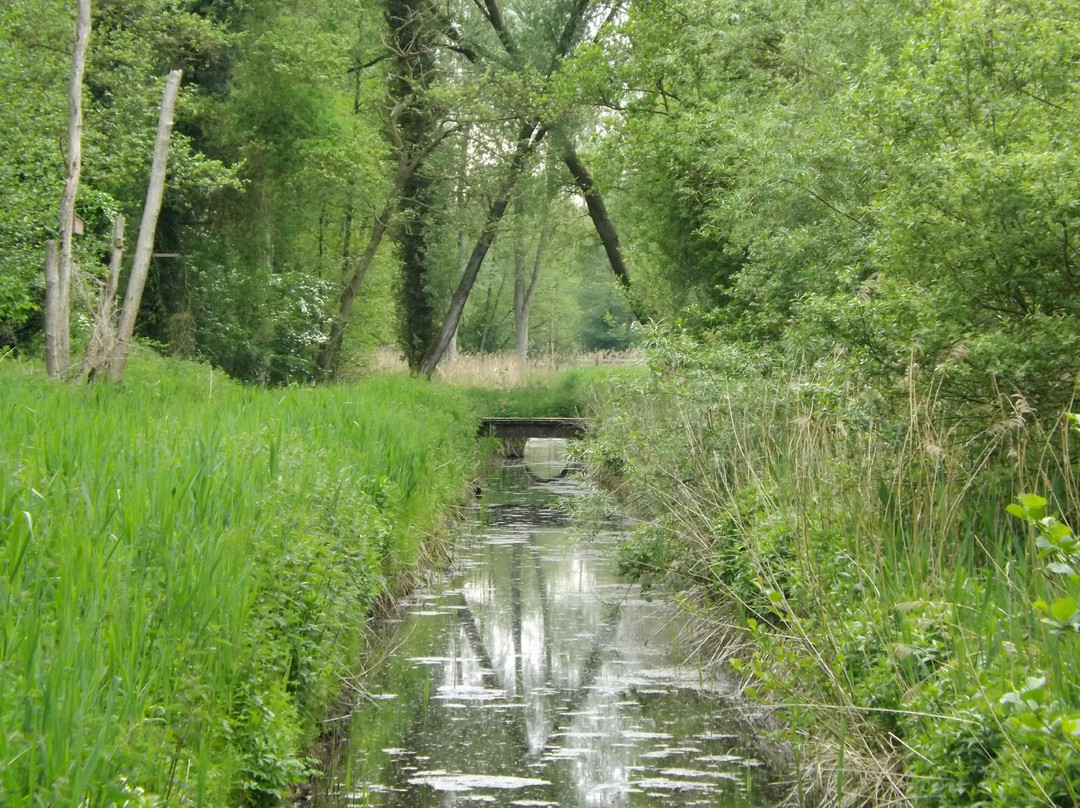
<point x="869" y="356"/>
<point x="860" y="564"/>
<point x="848" y="232"/>
<point x="187" y="568"/>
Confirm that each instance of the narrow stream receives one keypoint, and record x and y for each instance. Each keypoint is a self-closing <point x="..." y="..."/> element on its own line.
<point x="531" y="675"/>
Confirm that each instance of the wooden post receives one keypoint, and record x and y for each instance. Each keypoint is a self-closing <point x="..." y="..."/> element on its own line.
<point x="144" y="248"/>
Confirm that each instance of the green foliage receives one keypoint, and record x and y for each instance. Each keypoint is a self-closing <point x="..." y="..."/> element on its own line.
<point x="186" y="567"/>
<point x="897" y="186"/>
<point x="32" y="102"/>
<point x="892" y="609"/>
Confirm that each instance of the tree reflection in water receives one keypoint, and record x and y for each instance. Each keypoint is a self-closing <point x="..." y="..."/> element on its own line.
<point x="534" y="676"/>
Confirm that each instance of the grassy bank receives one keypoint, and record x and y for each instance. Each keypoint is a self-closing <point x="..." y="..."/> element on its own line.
<point x="855" y="551"/>
<point x="185" y="570"/>
<point x="498" y="385"/>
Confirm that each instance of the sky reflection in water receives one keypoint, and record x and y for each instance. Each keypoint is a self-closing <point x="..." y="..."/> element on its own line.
<point x="533" y="676"/>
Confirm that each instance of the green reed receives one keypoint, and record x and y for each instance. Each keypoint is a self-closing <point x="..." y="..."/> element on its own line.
<point x="855" y="553"/>
<point x="185" y="569"/>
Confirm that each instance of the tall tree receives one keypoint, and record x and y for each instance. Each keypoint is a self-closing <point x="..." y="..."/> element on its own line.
<point x="526" y="279"/>
<point x="529" y="137"/>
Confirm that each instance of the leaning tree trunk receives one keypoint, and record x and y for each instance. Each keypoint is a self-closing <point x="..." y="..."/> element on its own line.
<point x="58" y="304"/>
<point x="331" y="350"/>
<point x="462" y="250"/>
<point x="528" y="139"/>
<point x="144" y="247"/>
<point x="598" y="213"/>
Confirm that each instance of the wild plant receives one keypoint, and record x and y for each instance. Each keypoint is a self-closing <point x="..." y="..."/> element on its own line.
<point x="851" y="544"/>
<point x="186" y="565"/>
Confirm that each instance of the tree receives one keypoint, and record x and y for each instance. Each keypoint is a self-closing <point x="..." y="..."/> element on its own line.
<point x="529" y="137"/>
<point x="59" y="272"/>
<point x="526" y="284"/>
<point x="145" y="245"/>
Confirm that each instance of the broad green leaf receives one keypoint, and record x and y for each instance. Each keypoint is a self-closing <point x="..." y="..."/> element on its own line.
<point x="1063" y="609"/>
<point x="1016" y="511"/>
<point x="1034" y="505"/>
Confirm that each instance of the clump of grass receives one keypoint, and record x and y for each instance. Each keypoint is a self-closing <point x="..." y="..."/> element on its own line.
<point x="185" y="569"/>
<point x="855" y="548"/>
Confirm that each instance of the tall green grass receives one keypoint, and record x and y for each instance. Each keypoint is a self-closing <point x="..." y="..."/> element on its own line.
<point x="853" y="549"/>
<point x="185" y="569"/>
<point x="566" y="393"/>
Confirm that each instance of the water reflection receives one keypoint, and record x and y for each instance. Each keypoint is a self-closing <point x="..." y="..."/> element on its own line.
<point x="546" y="459"/>
<point x="533" y="676"/>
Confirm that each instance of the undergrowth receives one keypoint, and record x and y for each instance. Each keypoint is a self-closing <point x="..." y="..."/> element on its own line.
<point x="868" y="568"/>
<point x="185" y="569"/>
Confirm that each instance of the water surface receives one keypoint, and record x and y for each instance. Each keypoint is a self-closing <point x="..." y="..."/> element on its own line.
<point x="531" y="675"/>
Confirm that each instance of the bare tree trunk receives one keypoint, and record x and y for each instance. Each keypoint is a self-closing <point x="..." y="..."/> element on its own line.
<point x="54" y="365"/>
<point x="597" y="212"/>
<point x="463" y="260"/>
<point x="524" y="292"/>
<point x="463" y="255"/>
<point x="144" y="247"/>
<point x="528" y="139"/>
<point x="100" y="347"/>
<point x="487" y="320"/>
<point x="58" y="305"/>
<point x="321" y="240"/>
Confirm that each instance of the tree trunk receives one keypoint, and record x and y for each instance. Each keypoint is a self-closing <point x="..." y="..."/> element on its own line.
<point x="491" y="309"/>
<point x="598" y="213"/>
<point x="54" y="365"/>
<point x="144" y="247"/>
<point x="524" y="292"/>
<point x="528" y="139"/>
<point x="58" y="306"/>
<point x="328" y="357"/>
<point x="100" y="347"/>
<point x="463" y="255"/>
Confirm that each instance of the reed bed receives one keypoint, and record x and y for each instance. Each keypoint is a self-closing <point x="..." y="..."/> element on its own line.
<point x="855" y="553"/>
<point x="185" y="569"/>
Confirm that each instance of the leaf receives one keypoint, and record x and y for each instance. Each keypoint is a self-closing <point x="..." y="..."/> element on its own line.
<point x="1063" y="609"/>
<point x="1033" y="504"/>
<point x="1055" y="529"/>
<point x="1014" y="699"/>
<point x="1033" y="684"/>
<point x="1059" y="568"/>
<point x="1016" y="511"/>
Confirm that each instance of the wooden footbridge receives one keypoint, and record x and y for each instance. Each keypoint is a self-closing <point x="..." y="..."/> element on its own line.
<point x="524" y="428"/>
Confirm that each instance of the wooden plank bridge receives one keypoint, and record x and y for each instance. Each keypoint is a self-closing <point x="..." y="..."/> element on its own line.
<point x="525" y="428"/>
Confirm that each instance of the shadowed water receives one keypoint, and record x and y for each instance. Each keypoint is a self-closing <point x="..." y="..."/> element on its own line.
<point x="532" y="675"/>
